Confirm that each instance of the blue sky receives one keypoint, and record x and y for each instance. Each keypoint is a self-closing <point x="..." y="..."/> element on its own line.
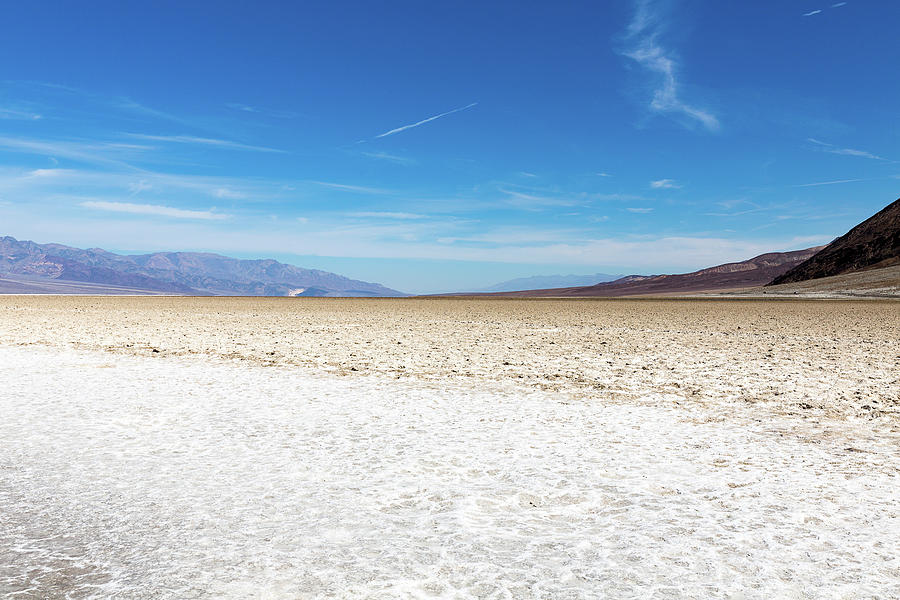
<point x="448" y="146"/>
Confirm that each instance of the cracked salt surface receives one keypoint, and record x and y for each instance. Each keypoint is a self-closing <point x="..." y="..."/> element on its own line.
<point x="187" y="478"/>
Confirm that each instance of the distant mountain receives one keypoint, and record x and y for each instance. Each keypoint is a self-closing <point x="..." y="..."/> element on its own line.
<point x="177" y="272"/>
<point x="756" y="271"/>
<point x="872" y="244"/>
<point x="540" y="282"/>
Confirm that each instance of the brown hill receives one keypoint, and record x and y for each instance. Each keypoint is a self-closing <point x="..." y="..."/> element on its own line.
<point x="872" y="244"/>
<point x="883" y="282"/>
<point x="757" y="271"/>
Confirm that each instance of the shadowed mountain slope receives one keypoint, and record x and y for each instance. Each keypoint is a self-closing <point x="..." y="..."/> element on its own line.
<point x="872" y="244"/>
<point x="757" y="271"/>
<point x="192" y="273"/>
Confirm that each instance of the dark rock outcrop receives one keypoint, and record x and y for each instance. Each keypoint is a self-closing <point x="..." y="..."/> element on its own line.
<point x="872" y="244"/>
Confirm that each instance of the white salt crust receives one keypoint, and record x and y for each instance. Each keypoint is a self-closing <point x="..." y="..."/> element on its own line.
<point x="127" y="477"/>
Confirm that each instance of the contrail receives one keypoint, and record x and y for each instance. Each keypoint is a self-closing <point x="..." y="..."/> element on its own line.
<point x="423" y="121"/>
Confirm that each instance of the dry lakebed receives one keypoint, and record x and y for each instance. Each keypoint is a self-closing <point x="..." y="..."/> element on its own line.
<point x="172" y="447"/>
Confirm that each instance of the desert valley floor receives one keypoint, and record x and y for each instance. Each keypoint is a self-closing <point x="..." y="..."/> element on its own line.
<point x="243" y="447"/>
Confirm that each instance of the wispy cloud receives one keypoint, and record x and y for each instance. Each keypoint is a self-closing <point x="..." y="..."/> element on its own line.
<point x="527" y="200"/>
<point x="618" y="197"/>
<point x="153" y="209"/>
<point x="351" y="188"/>
<point x="9" y="113"/>
<point x="602" y="174"/>
<point x="731" y="205"/>
<point x="826" y="147"/>
<point x="228" y="194"/>
<point x="403" y="216"/>
<point x="836" y="181"/>
<point x="241" y="107"/>
<point x="264" y="112"/>
<point x="42" y="173"/>
<point x="639" y="210"/>
<point x="665" y="184"/>
<point x="811" y="13"/>
<point x="838" y="4"/>
<point x="400" y="160"/>
<point x="139" y="186"/>
<point x="644" y="48"/>
<point x="190" y="139"/>
<point x="423" y="121"/>
<point x="87" y="152"/>
<point x="112" y="184"/>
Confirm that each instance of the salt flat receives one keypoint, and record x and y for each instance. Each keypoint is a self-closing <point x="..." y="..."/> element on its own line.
<point x="209" y="468"/>
<point x="822" y="358"/>
<point x="186" y="478"/>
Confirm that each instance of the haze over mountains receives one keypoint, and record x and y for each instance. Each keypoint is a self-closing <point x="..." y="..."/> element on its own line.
<point x="753" y="272"/>
<point x="867" y="257"/>
<point x="865" y="261"/>
<point x="39" y="268"/>
<point x="538" y="282"/>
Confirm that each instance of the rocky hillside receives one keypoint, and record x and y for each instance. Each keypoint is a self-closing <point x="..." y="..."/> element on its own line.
<point x="872" y="244"/>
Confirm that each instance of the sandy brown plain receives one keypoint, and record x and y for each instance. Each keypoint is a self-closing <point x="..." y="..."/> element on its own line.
<point x="820" y="358"/>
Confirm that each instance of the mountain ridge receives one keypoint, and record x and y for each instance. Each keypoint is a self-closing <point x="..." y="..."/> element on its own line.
<point x="871" y="244"/>
<point x="189" y="273"/>
<point x="752" y="272"/>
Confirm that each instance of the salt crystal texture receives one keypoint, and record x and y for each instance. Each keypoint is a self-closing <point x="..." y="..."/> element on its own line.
<point x="188" y="478"/>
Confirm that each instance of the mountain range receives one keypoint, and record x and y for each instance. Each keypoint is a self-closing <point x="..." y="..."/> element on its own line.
<point x="40" y="268"/>
<point x="756" y="271"/>
<point x="865" y="260"/>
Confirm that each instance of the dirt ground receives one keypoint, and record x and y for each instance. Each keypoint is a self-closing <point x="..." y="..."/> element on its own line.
<point x="811" y="357"/>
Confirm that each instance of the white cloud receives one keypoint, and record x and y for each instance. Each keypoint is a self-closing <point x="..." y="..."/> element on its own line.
<point x="665" y="184"/>
<point x="9" y="113"/>
<point x="241" y="107"/>
<point x="139" y="186"/>
<point x="811" y="13"/>
<point x="525" y="200"/>
<point x="423" y="121"/>
<point x="601" y="174"/>
<point x="351" y="188"/>
<point x="400" y="160"/>
<point x="838" y="4"/>
<point x="50" y="172"/>
<point x="643" y="36"/>
<point x="831" y="148"/>
<point x="153" y="209"/>
<point x="265" y="112"/>
<point x="190" y="139"/>
<point x="404" y="216"/>
<point x="829" y="182"/>
<point x="228" y="194"/>
<point x="639" y="210"/>
<point x="88" y="152"/>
